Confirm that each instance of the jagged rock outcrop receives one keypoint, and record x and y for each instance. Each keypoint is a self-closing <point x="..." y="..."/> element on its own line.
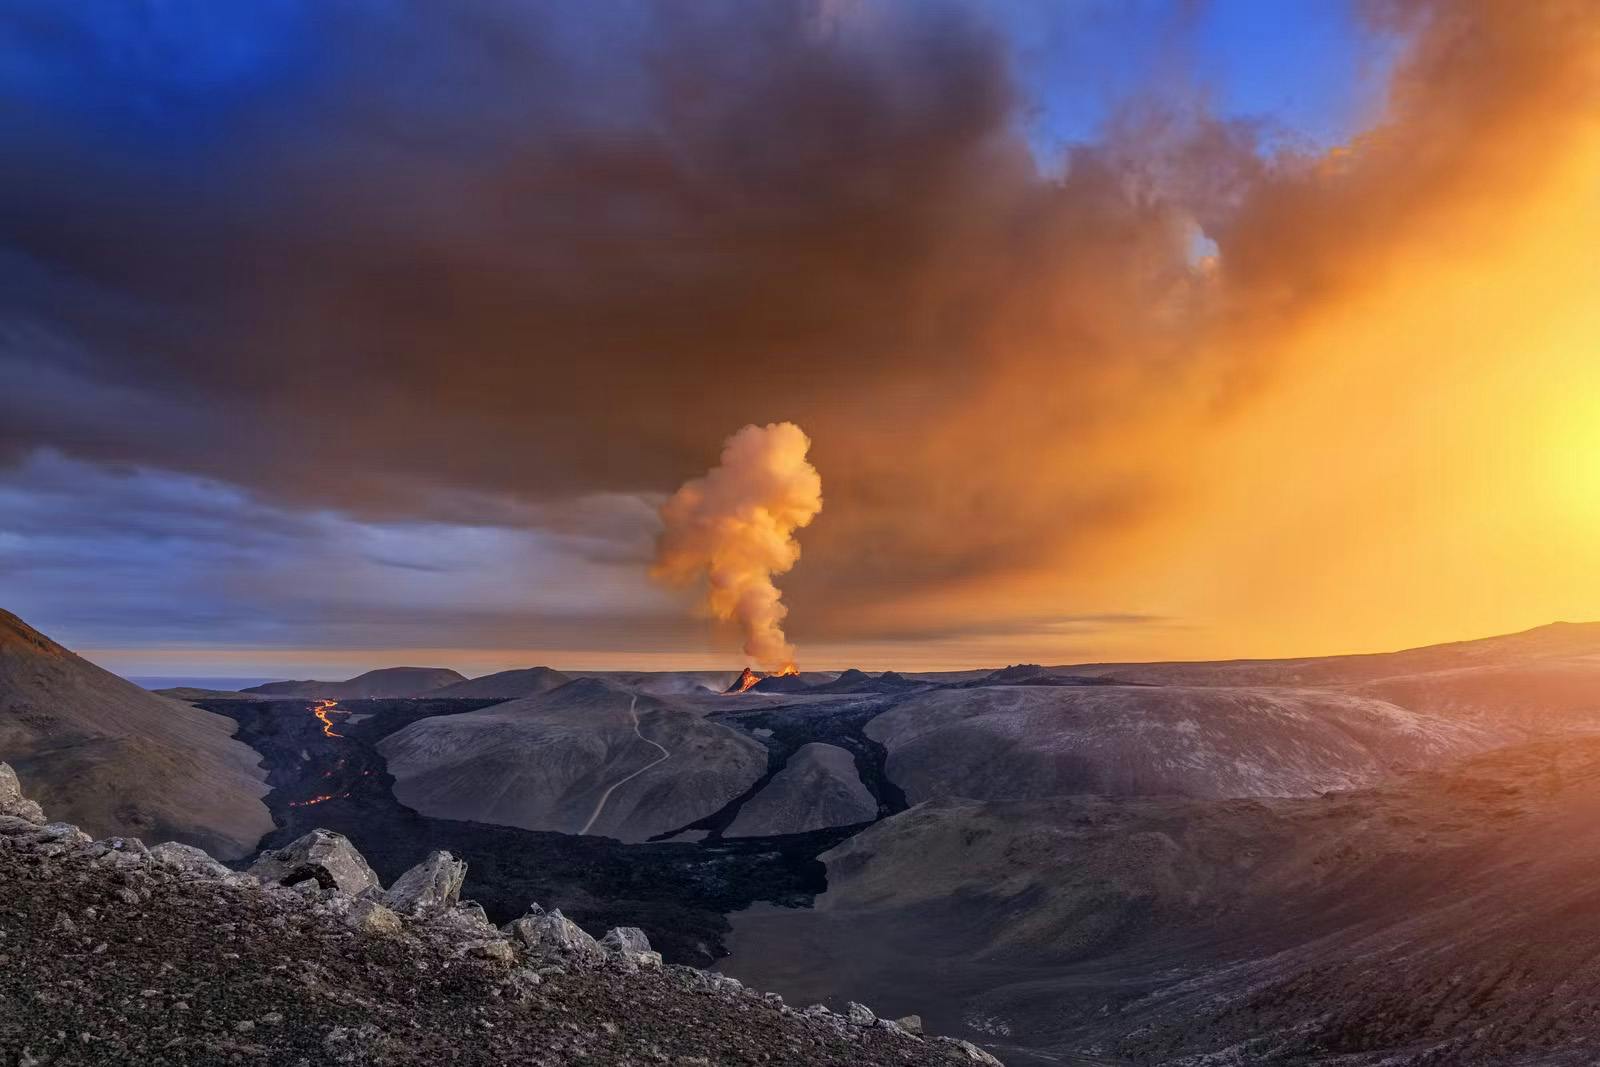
<point x="111" y="952"/>
<point x="553" y="932"/>
<point x="631" y="944"/>
<point x="323" y="855"/>
<point x="187" y="858"/>
<point x="432" y="884"/>
<point x="12" y="802"/>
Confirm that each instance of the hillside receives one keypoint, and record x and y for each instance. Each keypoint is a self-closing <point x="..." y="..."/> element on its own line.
<point x="1015" y="742"/>
<point x="1560" y="640"/>
<point x="112" y="952"/>
<point x="1446" y="918"/>
<point x="506" y="685"/>
<point x="117" y="759"/>
<point x="589" y="757"/>
<point x="379" y="684"/>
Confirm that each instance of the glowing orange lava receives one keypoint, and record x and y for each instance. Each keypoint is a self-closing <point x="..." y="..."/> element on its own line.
<point x="321" y="712"/>
<point x="318" y="799"/>
<point x="748" y="678"/>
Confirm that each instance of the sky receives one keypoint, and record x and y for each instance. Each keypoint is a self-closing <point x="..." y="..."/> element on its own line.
<point x="346" y="333"/>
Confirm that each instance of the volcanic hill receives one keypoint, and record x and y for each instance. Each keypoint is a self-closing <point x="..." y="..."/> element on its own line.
<point x="118" y="759"/>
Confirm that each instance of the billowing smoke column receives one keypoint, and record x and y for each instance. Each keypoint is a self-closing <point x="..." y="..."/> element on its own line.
<point x="735" y="527"/>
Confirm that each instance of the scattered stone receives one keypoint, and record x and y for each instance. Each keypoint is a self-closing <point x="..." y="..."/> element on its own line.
<point x="370" y="917"/>
<point x="323" y="857"/>
<point x="860" y="1014"/>
<point x="631" y="944"/>
<point x="13" y="803"/>
<point x="187" y="859"/>
<point x="553" y="933"/>
<point x="433" y="883"/>
<point x="977" y="1055"/>
<point x="911" y="1024"/>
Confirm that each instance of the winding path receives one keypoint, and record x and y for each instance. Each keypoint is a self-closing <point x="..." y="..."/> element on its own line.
<point x="665" y="755"/>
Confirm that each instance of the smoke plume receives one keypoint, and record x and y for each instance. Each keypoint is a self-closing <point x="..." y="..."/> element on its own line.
<point x="735" y="527"/>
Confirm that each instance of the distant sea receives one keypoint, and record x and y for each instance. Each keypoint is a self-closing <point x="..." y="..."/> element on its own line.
<point x="198" y="683"/>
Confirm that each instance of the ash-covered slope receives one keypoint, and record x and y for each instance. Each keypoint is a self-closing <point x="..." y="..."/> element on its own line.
<point x="116" y="758"/>
<point x="818" y="788"/>
<point x="1560" y="640"/>
<point x="1015" y="742"/>
<point x="114" y="953"/>
<point x="589" y="757"/>
<point x="1446" y="918"/>
<point x="506" y="685"/>
<point x="381" y="684"/>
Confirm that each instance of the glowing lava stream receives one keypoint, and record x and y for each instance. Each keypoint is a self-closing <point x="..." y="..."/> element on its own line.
<point x="665" y="755"/>
<point x="321" y="712"/>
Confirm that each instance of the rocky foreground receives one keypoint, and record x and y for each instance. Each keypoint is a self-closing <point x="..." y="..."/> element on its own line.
<point x="112" y="952"/>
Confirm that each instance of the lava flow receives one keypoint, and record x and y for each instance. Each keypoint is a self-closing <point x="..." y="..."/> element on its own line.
<point x="318" y="799"/>
<point x="321" y="712"/>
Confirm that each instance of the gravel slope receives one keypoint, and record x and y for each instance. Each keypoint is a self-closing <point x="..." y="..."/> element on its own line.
<point x="110" y="954"/>
<point x="118" y="759"/>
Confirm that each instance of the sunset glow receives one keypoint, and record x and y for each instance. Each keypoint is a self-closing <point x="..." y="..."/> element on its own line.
<point x="1232" y="351"/>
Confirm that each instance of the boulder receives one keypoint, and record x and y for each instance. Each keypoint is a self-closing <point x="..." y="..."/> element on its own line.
<point x="976" y="1055"/>
<point x="433" y="883"/>
<point x="552" y="933"/>
<point x="631" y="944"/>
<point x="464" y="921"/>
<point x="370" y="917"/>
<point x="323" y="856"/>
<point x="188" y="860"/>
<point x="911" y="1024"/>
<point x="860" y="1014"/>
<point x="12" y="802"/>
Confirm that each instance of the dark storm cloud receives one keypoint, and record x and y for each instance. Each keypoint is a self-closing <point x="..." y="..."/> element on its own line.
<point x="148" y="558"/>
<point x="402" y="259"/>
<point x="398" y="247"/>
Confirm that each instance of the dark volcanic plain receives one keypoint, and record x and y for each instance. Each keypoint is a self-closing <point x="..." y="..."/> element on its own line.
<point x="678" y="893"/>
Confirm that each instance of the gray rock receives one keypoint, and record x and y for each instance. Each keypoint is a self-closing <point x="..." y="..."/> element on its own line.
<point x="630" y="943"/>
<point x="370" y="917"/>
<point x="552" y="933"/>
<point x="860" y="1014"/>
<point x="911" y="1024"/>
<point x="12" y="802"/>
<point x="625" y="941"/>
<point x="323" y="856"/>
<point x="493" y="949"/>
<point x="188" y="860"/>
<point x="977" y="1055"/>
<point x="463" y="922"/>
<point x="433" y="883"/>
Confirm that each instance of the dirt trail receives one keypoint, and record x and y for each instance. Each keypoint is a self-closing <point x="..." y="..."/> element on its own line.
<point x="665" y="755"/>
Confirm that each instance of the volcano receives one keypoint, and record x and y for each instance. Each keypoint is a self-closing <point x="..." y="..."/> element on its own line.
<point x="747" y="678"/>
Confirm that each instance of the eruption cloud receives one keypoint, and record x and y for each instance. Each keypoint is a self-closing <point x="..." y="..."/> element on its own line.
<point x="735" y="527"/>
